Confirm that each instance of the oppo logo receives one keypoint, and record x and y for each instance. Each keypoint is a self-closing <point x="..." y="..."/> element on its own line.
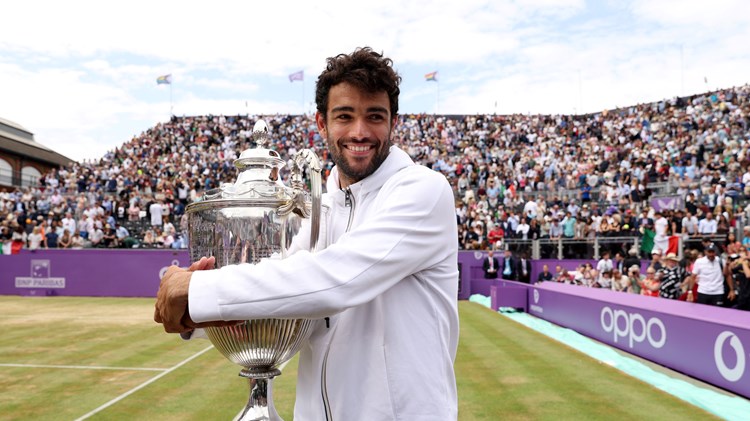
<point x="536" y="296"/>
<point x="633" y="327"/>
<point x="731" y="374"/>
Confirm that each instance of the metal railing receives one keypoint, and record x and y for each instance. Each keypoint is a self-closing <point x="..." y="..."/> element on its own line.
<point x="592" y="248"/>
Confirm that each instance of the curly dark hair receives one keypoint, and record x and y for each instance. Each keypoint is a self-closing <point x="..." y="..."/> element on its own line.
<point x="365" y="69"/>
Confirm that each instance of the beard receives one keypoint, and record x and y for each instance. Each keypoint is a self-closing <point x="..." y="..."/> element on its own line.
<point x="358" y="173"/>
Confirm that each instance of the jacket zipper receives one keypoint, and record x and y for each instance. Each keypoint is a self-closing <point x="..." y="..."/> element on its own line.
<point x="350" y="203"/>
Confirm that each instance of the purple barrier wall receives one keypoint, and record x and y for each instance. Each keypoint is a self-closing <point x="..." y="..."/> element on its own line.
<point x="98" y="273"/>
<point x="510" y="294"/>
<point x="705" y="342"/>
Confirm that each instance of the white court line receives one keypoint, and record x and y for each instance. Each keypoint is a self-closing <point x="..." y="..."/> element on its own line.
<point x="84" y="367"/>
<point x="239" y="414"/>
<point x="142" y="385"/>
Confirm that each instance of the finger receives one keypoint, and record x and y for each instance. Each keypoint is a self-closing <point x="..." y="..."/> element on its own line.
<point x="219" y="323"/>
<point x="197" y="265"/>
<point x="157" y="315"/>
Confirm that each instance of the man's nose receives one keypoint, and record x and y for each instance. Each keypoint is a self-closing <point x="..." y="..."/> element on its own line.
<point x="359" y="129"/>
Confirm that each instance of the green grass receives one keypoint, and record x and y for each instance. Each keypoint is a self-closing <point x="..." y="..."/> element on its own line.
<point x="504" y="370"/>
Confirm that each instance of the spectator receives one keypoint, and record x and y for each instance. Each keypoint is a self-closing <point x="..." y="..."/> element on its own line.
<point x="36" y="239"/>
<point x="636" y="279"/>
<point x="631" y="260"/>
<point x="650" y="284"/>
<point x="490" y="265"/>
<point x="740" y="272"/>
<point x="523" y="270"/>
<point x="707" y="225"/>
<point x="671" y="277"/>
<point x="77" y="242"/>
<point x="66" y="240"/>
<point x="545" y="274"/>
<point x="509" y="270"/>
<point x="156" y="210"/>
<point x="708" y="274"/>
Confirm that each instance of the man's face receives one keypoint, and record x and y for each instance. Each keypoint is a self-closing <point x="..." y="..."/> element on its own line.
<point x="358" y="131"/>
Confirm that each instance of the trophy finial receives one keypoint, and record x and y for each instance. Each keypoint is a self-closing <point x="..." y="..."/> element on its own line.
<point x="261" y="134"/>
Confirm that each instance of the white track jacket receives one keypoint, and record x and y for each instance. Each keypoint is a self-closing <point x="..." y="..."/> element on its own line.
<point x="387" y="284"/>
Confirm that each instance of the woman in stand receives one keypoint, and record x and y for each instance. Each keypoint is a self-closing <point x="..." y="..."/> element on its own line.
<point x="36" y="239"/>
<point x="65" y="240"/>
<point x="77" y="242"/>
<point x="650" y="284"/>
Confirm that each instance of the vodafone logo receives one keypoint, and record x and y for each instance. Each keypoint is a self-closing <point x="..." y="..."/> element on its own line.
<point x="536" y="296"/>
<point x="735" y="373"/>
<point x="633" y="327"/>
<point x="163" y="270"/>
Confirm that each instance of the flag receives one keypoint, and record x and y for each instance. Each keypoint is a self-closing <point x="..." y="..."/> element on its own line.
<point x="431" y="77"/>
<point x="164" y="80"/>
<point x="297" y="76"/>
<point x="705" y="79"/>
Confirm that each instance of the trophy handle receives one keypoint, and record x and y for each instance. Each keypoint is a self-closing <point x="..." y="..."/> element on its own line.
<point x="309" y="159"/>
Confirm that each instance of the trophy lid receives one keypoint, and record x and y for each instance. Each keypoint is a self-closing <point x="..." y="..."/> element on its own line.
<point x="258" y="182"/>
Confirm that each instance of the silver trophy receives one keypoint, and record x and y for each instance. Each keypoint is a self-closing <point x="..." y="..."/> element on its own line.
<point x="254" y="218"/>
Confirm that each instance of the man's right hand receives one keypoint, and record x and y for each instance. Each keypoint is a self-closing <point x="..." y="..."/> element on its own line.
<point x="171" y="307"/>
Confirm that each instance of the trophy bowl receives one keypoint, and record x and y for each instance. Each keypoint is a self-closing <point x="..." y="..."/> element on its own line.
<point x="257" y="217"/>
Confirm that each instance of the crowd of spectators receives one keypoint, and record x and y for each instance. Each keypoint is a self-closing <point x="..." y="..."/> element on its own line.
<point x="514" y="176"/>
<point x="724" y="276"/>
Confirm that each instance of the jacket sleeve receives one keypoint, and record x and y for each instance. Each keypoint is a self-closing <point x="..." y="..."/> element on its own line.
<point x="411" y="228"/>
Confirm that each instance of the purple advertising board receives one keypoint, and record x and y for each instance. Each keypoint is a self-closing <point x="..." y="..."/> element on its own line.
<point x="709" y="343"/>
<point x="88" y="272"/>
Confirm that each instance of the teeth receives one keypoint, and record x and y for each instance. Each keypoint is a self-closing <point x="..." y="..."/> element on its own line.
<point x="359" y="148"/>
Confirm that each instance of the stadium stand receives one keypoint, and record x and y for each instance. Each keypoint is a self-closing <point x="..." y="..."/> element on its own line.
<point x="643" y="175"/>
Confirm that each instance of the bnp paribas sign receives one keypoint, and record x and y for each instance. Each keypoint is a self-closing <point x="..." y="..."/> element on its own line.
<point x="40" y="276"/>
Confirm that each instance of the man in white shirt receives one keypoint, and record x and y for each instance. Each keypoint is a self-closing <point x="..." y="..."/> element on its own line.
<point x="707" y="225"/>
<point x="522" y="230"/>
<point x="690" y="224"/>
<point x="395" y="253"/>
<point x="156" y="211"/>
<point x="708" y="272"/>
<point x="69" y="223"/>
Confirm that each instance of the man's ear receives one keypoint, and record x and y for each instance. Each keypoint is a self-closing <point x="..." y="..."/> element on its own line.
<point x="320" y="120"/>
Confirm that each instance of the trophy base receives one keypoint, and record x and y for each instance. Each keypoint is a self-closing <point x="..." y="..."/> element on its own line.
<point x="260" y="404"/>
<point x="260" y="373"/>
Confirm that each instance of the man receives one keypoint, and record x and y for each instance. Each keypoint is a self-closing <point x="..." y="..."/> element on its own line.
<point x="708" y="272"/>
<point x="707" y="225"/>
<point x="490" y="265"/>
<point x="656" y="259"/>
<point x="671" y="277"/>
<point x="604" y="264"/>
<point x="524" y="268"/>
<point x="386" y="284"/>
<point x="545" y="275"/>
<point x="509" y="266"/>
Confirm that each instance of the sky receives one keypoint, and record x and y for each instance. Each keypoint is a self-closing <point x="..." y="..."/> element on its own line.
<point x="81" y="75"/>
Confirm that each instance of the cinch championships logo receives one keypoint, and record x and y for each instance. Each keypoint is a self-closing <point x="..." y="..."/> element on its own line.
<point x="535" y="306"/>
<point x="40" y="277"/>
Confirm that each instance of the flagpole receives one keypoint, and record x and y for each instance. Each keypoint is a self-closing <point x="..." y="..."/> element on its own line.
<point x="171" y="106"/>
<point x="438" y="97"/>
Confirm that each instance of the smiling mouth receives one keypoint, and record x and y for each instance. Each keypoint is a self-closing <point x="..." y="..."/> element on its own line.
<point x="358" y="148"/>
